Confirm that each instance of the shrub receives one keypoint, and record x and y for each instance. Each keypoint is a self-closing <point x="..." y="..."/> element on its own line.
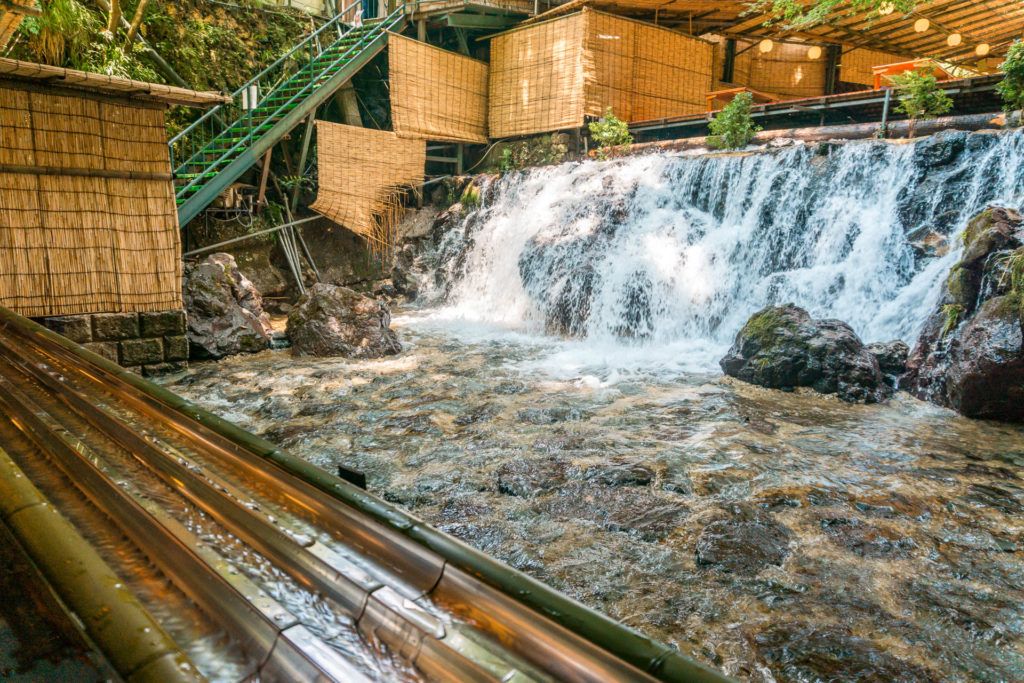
<point x="799" y="13"/>
<point x="733" y="127"/>
<point x="610" y="132"/>
<point x="1012" y="86"/>
<point x="541" y="150"/>
<point x="920" y="97"/>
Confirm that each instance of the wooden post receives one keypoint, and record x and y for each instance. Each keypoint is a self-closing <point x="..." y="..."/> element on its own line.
<point x="421" y="30"/>
<point x="459" y="158"/>
<point x="302" y="159"/>
<point x="261" y="198"/>
<point x="729" y="63"/>
<point x="833" y="54"/>
<point x="349" y="105"/>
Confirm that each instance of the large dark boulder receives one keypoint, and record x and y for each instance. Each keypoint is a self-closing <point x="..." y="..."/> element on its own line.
<point x="224" y="309"/>
<point x="970" y="355"/>
<point x="336" y="321"/>
<point x="782" y="347"/>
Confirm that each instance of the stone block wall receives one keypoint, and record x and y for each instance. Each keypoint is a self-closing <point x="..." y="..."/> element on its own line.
<point x="146" y="343"/>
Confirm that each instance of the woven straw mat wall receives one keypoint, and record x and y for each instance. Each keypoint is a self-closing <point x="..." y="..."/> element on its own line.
<point x="362" y="174"/>
<point x="536" y="82"/>
<point x="786" y="70"/>
<point x="642" y="71"/>
<point x="436" y="94"/>
<point x="91" y="239"/>
<point x="550" y="76"/>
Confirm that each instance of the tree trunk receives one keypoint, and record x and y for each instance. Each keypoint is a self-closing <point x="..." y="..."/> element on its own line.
<point x="140" y="11"/>
<point x="114" y="17"/>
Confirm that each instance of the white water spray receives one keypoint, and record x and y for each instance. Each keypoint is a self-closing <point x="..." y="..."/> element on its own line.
<point x="674" y="251"/>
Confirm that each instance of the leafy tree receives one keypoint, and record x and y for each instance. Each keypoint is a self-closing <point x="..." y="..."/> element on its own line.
<point x="610" y="132"/>
<point x="803" y="14"/>
<point x="920" y="97"/>
<point x="1012" y="86"/>
<point x="733" y="127"/>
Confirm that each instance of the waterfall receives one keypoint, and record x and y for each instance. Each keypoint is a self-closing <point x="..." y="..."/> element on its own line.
<point x="681" y="249"/>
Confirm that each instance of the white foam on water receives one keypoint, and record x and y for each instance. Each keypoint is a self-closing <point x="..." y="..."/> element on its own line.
<point x="652" y="263"/>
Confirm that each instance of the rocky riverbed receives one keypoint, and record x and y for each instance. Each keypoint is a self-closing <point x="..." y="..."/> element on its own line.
<point x="778" y="536"/>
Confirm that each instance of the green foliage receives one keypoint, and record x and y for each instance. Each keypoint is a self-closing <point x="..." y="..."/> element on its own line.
<point x="1013" y="263"/>
<point x="952" y="313"/>
<point x="211" y="46"/>
<point x="610" y="133"/>
<point x="920" y="95"/>
<point x="63" y="33"/>
<point x="542" y="150"/>
<point x="799" y="13"/>
<point x="1012" y="86"/>
<point x="733" y="127"/>
<point x="470" y="198"/>
<point x="505" y="163"/>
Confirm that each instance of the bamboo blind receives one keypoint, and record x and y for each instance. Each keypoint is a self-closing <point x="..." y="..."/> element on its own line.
<point x="436" y="94"/>
<point x="785" y="71"/>
<point x="537" y="78"/>
<point x="363" y="173"/>
<point x="88" y="221"/>
<point x="642" y="71"/>
<point x="855" y="65"/>
<point x="551" y="75"/>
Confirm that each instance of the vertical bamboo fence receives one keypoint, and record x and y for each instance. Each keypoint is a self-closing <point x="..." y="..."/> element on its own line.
<point x="88" y="221"/>
<point x="787" y="70"/>
<point x="550" y="76"/>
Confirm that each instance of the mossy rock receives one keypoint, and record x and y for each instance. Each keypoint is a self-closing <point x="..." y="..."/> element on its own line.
<point x="962" y="287"/>
<point x="979" y="224"/>
<point x="766" y="326"/>
<point x="783" y="348"/>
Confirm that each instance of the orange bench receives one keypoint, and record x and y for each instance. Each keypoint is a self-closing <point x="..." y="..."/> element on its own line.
<point x="727" y="95"/>
<point x="886" y="71"/>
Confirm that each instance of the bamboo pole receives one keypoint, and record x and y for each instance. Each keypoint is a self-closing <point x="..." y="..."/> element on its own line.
<point x="130" y="638"/>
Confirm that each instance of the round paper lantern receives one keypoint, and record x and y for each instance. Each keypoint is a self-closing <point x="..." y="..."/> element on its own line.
<point x="983" y="50"/>
<point x="766" y="45"/>
<point x="814" y="52"/>
<point x="922" y="25"/>
<point x="954" y="39"/>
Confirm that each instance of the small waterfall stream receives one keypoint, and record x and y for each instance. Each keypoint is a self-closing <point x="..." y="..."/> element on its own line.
<point x="680" y="250"/>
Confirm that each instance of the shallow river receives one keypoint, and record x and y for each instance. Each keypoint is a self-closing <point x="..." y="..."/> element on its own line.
<point x="785" y="537"/>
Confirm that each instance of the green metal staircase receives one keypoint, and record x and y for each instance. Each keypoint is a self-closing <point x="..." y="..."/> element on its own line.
<point x="228" y="140"/>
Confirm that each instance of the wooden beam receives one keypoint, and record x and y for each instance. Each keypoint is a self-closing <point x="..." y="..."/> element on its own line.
<point x="478" y="21"/>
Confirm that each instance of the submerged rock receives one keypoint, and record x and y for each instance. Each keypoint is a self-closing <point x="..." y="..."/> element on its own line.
<point x="804" y="652"/>
<point x="744" y="543"/>
<point x="970" y="355"/>
<point x="335" y="321"/>
<point x="224" y="309"/>
<point x="782" y="347"/>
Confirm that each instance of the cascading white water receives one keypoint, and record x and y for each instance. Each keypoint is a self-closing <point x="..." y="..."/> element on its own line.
<point x="679" y="250"/>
